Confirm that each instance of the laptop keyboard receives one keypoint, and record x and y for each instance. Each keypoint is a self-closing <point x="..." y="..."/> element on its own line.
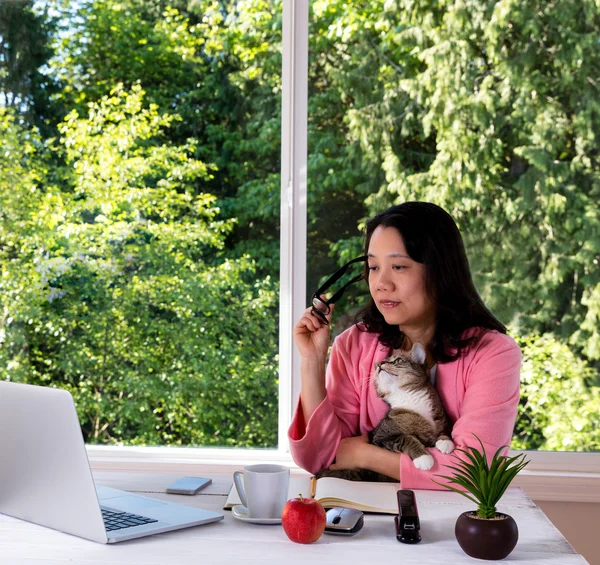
<point x="121" y="520"/>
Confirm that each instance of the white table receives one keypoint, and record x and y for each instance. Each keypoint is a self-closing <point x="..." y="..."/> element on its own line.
<point x="233" y="542"/>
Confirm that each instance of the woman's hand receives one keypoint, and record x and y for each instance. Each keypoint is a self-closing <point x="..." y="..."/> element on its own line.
<point x="312" y="336"/>
<point x="312" y="340"/>
<point x="350" y="453"/>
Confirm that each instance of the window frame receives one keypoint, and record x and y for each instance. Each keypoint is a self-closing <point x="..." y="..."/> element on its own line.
<point x="549" y="476"/>
<point x="294" y="159"/>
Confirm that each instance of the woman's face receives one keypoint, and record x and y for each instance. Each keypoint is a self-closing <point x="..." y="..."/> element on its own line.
<point x="397" y="283"/>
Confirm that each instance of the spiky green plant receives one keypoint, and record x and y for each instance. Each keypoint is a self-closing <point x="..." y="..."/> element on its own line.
<point x="486" y="483"/>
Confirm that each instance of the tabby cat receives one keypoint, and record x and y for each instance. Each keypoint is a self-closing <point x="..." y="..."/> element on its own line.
<point x="416" y="419"/>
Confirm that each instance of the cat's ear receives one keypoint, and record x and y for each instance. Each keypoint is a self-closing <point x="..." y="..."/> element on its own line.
<point x="417" y="354"/>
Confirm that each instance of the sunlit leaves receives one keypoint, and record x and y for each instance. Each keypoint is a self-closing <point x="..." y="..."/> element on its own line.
<point x="558" y="410"/>
<point x="121" y="293"/>
<point x="125" y="240"/>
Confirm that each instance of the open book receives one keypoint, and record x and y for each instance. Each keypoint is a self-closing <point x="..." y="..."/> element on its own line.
<point x="330" y="492"/>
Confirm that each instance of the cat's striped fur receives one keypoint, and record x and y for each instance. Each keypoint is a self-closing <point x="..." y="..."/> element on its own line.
<point x="416" y="419"/>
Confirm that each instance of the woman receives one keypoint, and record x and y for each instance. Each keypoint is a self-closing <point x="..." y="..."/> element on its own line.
<point x="421" y="291"/>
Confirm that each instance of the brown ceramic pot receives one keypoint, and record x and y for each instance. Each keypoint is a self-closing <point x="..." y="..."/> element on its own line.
<point x="486" y="539"/>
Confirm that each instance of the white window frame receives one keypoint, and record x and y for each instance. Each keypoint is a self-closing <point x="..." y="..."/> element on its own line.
<point x="549" y="476"/>
<point x="294" y="127"/>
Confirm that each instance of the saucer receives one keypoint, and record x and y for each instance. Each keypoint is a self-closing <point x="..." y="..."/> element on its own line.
<point x="240" y="512"/>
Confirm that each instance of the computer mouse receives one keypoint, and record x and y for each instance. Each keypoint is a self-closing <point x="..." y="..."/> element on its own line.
<point x="344" y="521"/>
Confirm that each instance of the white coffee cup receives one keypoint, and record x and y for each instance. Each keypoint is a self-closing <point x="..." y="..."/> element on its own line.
<point x="264" y="489"/>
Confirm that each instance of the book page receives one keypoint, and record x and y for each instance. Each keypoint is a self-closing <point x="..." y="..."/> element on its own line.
<point x="369" y="497"/>
<point x="298" y="485"/>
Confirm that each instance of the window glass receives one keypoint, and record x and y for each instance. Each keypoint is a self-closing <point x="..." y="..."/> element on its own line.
<point x="139" y="206"/>
<point x="459" y="104"/>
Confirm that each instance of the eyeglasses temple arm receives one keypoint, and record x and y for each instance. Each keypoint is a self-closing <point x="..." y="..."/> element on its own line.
<point x="337" y="275"/>
<point x="339" y="293"/>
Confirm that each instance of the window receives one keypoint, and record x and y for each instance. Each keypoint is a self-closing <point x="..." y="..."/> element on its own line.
<point x="121" y="296"/>
<point x="140" y="205"/>
<point x="404" y="104"/>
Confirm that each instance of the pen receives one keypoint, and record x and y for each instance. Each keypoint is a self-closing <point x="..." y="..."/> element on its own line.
<point x="313" y="486"/>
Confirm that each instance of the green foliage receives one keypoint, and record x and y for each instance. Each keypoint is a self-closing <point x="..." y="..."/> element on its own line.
<point x="486" y="483"/>
<point x="25" y="48"/>
<point x="149" y="223"/>
<point x="560" y="403"/>
<point x="502" y="98"/>
<point x="20" y="172"/>
<point x="218" y="65"/>
<point x="120" y="291"/>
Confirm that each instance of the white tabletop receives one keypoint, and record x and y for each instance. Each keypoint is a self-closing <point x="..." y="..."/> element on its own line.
<point x="233" y="542"/>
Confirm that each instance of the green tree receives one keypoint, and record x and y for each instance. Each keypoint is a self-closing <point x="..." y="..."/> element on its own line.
<point x="124" y="296"/>
<point x="508" y="92"/>
<point x="218" y="65"/>
<point x="558" y="409"/>
<point x="25" y="49"/>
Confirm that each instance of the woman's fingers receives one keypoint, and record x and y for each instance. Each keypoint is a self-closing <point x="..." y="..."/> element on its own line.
<point x="308" y="322"/>
<point x="311" y="335"/>
<point x="330" y="314"/>
<point x="311" y="322"/>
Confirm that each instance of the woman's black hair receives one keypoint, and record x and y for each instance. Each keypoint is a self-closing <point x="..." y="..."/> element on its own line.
<point x="431" y="237"/>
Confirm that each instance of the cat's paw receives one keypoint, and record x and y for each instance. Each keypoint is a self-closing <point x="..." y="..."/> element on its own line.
<point x="445" y="445"/>
<point x="423" y="462"/>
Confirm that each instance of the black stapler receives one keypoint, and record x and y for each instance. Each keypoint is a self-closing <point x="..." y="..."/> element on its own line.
<point x="407" y="521"/>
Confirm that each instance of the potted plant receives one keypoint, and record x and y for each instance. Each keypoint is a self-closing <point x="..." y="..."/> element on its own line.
<point x="484" y="533"/>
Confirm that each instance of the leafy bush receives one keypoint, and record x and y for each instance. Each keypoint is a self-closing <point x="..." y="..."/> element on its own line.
<point x="560" y="405"/>
<point x="119" y="290"/>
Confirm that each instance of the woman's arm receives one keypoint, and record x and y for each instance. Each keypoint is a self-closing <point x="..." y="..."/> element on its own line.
<point x="311" y="336"/>
<point x="313" y="390"/>
<point x="383" y="461"/>
<point x="358" y="453"/>
<point x="314" y="439"/>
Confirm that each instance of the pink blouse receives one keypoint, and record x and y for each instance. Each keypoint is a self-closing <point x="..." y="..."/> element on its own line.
<point x="480" y="392"/>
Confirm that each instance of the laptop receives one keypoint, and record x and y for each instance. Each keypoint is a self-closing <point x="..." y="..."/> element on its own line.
<point x="45" y="476"/>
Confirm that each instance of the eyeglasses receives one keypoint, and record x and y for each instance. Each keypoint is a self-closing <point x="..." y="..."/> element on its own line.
<point x="320" y="307"/>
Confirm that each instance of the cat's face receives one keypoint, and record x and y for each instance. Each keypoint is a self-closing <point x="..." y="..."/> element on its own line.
<point x="399" y="371"/>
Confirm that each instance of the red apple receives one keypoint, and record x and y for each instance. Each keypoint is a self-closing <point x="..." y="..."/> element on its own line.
<point x="303" y="519"/>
